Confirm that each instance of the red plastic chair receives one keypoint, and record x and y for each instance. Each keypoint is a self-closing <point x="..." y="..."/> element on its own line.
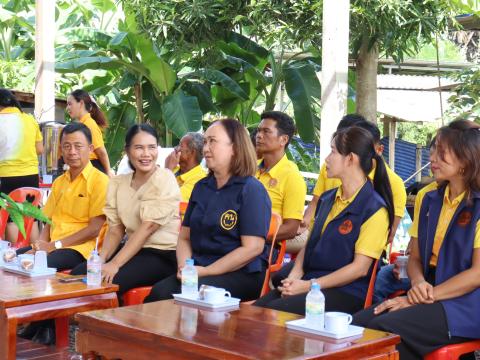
<point x="275" y="222"/>
<point x="453" y="352"/>
<point x="371" y="286"/>
<point x="20" y="195"/>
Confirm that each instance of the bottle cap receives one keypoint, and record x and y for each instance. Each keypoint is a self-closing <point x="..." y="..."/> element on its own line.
<point x="189" y="262"/>
<point x="315" y="285"/>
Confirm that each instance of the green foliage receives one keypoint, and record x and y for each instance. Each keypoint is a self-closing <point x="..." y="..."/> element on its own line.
<point x="465" y="103"/>
<point x="17" y="211"/>
<point x="17" y="74"/>
<point x="415" y="133"/>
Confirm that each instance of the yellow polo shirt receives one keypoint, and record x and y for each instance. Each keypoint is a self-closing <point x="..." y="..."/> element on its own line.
<point x="97" y="135"/>
<point x="373" y="232"/>
<point x="286" y="188"/>
<point x="72" y="204"/>
<point x="396" y="183"/>
<point x="187" y="181"/>
<point x="413" y="231"/>
<point x="18" y="134"/>
<point x="446" y="214"/>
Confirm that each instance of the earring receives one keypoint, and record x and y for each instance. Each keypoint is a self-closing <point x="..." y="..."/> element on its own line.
<point x="462" y="171"/>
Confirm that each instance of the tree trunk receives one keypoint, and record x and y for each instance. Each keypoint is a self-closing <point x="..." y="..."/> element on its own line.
<point x="367" y="64"/>
<point x="139" y="102"/>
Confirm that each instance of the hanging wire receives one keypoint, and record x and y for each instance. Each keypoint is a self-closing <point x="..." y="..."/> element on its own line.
<point x="439" y="79"/>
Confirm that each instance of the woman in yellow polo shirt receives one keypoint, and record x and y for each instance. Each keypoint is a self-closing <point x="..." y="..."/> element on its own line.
<point x="20" y="145"/>
<point x="350" y="231"/>
<point x="82" y="107"/>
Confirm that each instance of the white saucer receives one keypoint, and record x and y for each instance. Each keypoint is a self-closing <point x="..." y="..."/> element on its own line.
<point x="300" y="325"/>
<point x="230" y="302"/>
<point x="31" y="273"/>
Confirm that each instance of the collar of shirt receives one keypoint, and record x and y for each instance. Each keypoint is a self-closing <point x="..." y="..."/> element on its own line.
<point x="275" y="169"/>
<point x="87" y="170"/>
<point x="85" y="118"/>
<point x="454" y="202"/>
<point x="339" y="195"/>
<point x="212" y="181"/>
<point x="189" y="174"/>
<point x="10" y="110"/>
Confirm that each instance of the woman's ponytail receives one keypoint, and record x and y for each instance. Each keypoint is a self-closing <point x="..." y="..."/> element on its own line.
<point x="381" y="184"/>
<point x="91" y="106"/>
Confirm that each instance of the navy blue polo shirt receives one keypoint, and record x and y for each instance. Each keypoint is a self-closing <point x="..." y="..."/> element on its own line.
<point x="218" y="217"/>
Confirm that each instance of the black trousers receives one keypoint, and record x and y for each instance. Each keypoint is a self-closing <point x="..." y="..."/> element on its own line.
<point x="423" y="328"/>
<point x="97" y="164"/>
<point x="62" y="259"/>
<point x="145" y="268"/>
<point x="10" y="183"/>
<point x="246" y="286"/>
<point x="335" y="300"/>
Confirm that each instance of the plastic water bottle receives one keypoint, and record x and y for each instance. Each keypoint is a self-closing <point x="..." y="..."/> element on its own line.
<point x="189" y="279"/>
<point x="286" y="259"/>
<point x="315" y="307"/>
<point x="94" y="269"/>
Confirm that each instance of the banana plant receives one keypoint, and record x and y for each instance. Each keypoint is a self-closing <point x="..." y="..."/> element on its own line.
<point x="17" y="211"/>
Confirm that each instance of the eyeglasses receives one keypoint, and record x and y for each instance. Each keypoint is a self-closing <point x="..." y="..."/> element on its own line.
<point x="77" y="147"/>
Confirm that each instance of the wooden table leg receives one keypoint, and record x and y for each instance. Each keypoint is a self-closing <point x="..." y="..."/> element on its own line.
<point x="8" y="338"/>
<point x="61" y="331"/>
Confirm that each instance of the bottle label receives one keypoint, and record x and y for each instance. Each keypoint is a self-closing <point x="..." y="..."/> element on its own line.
<point x="189" y="281"/>
<point x="315" y="308"/>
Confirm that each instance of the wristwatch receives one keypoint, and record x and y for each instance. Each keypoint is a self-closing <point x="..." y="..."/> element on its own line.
<point x="58" y="244"/>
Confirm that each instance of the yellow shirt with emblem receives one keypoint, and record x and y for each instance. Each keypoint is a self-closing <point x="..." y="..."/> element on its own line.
<point x="373" y="232"/>
<point x="396" y="183"/>
<point x="18" y="134"/>
<point x="446" y="214"/>
<point x="413" y="231"/>
<point x="72" y="204"/>
<point x="187" y="180"/>
<point x="286" y="188"/>
<point x="97" y="135"/>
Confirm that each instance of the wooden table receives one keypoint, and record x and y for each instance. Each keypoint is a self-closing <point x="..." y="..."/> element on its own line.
<point x="24" y="299"/>
<point x="169" y="330"/>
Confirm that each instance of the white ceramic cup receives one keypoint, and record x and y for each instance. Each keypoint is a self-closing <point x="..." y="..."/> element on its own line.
<point x="27" y="261"/>
<point x="337" y="322"/>
<point x="215" y="295"/>
<point x="40" y="260"/>
<point x="401" y="262"/>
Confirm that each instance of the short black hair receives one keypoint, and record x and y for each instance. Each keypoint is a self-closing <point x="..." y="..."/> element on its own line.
<point x="284" y="123"/>
<point x="371" y="128"/>
<point x="350" y="120"/>
<point x="74" y="127"/>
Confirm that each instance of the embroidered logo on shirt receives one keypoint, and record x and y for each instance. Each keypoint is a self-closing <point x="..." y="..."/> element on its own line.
<point x="464" y="218"/>
<point x="273" y="182"/>
<point x="346" y="227"/>
<point x="228" y="219"/>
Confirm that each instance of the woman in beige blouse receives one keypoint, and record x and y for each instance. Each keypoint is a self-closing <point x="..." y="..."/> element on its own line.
<point x="144" y="205"/>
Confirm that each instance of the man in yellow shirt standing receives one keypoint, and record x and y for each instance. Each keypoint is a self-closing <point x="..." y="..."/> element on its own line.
<point x="280" y="176"/>
<point x="185" y="161"/>
<point x="75" y="204"/>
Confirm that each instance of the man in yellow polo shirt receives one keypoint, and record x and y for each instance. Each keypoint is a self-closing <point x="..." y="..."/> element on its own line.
<point x="185" y="161"/>
<point x="75" y="204"/>
<point x="280" y="176"/>
<point x="324" y="183"/>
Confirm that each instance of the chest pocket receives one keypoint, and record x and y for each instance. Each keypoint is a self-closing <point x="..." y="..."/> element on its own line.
<point x="76" y="206"/>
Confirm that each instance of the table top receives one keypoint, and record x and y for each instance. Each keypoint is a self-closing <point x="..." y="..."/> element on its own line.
<point x="18" y="290"/>
<point x="251" y="331"/>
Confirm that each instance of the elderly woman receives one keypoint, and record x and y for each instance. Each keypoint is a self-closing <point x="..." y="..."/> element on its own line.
<point x="227" y="219"/>
<point x="144" y="206"/>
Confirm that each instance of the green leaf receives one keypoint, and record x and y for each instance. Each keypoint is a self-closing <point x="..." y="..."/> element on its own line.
<point x="218" y="77"/>
<point x="17" y="219"/>
<point x="303" y="87"/>
<point x="182" y="113"/>
<point x="203" y="94"/>
<point x="121" y="118"/>
<point x="161" y="74"/>
<point x="29" y="210"/>
<point x="92" y="63"/>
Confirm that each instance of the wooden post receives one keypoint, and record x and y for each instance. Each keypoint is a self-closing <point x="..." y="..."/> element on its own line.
<point x="336" y="17"/>
<point x="45" y="60"/>
<point x="392" y="130"/>
<point x="418" y="162"/>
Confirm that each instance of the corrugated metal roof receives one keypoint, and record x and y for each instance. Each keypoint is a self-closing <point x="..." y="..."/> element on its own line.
<point x="405" y="158"/>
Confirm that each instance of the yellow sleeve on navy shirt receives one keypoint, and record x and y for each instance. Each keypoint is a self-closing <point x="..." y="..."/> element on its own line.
<point x="373" y="235"/>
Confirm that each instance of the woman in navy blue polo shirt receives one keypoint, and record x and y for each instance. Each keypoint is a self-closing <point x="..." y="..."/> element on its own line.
<point x="443" y="305"/>
<point x="227" y="219"/>
<point x="350" y="231"/>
